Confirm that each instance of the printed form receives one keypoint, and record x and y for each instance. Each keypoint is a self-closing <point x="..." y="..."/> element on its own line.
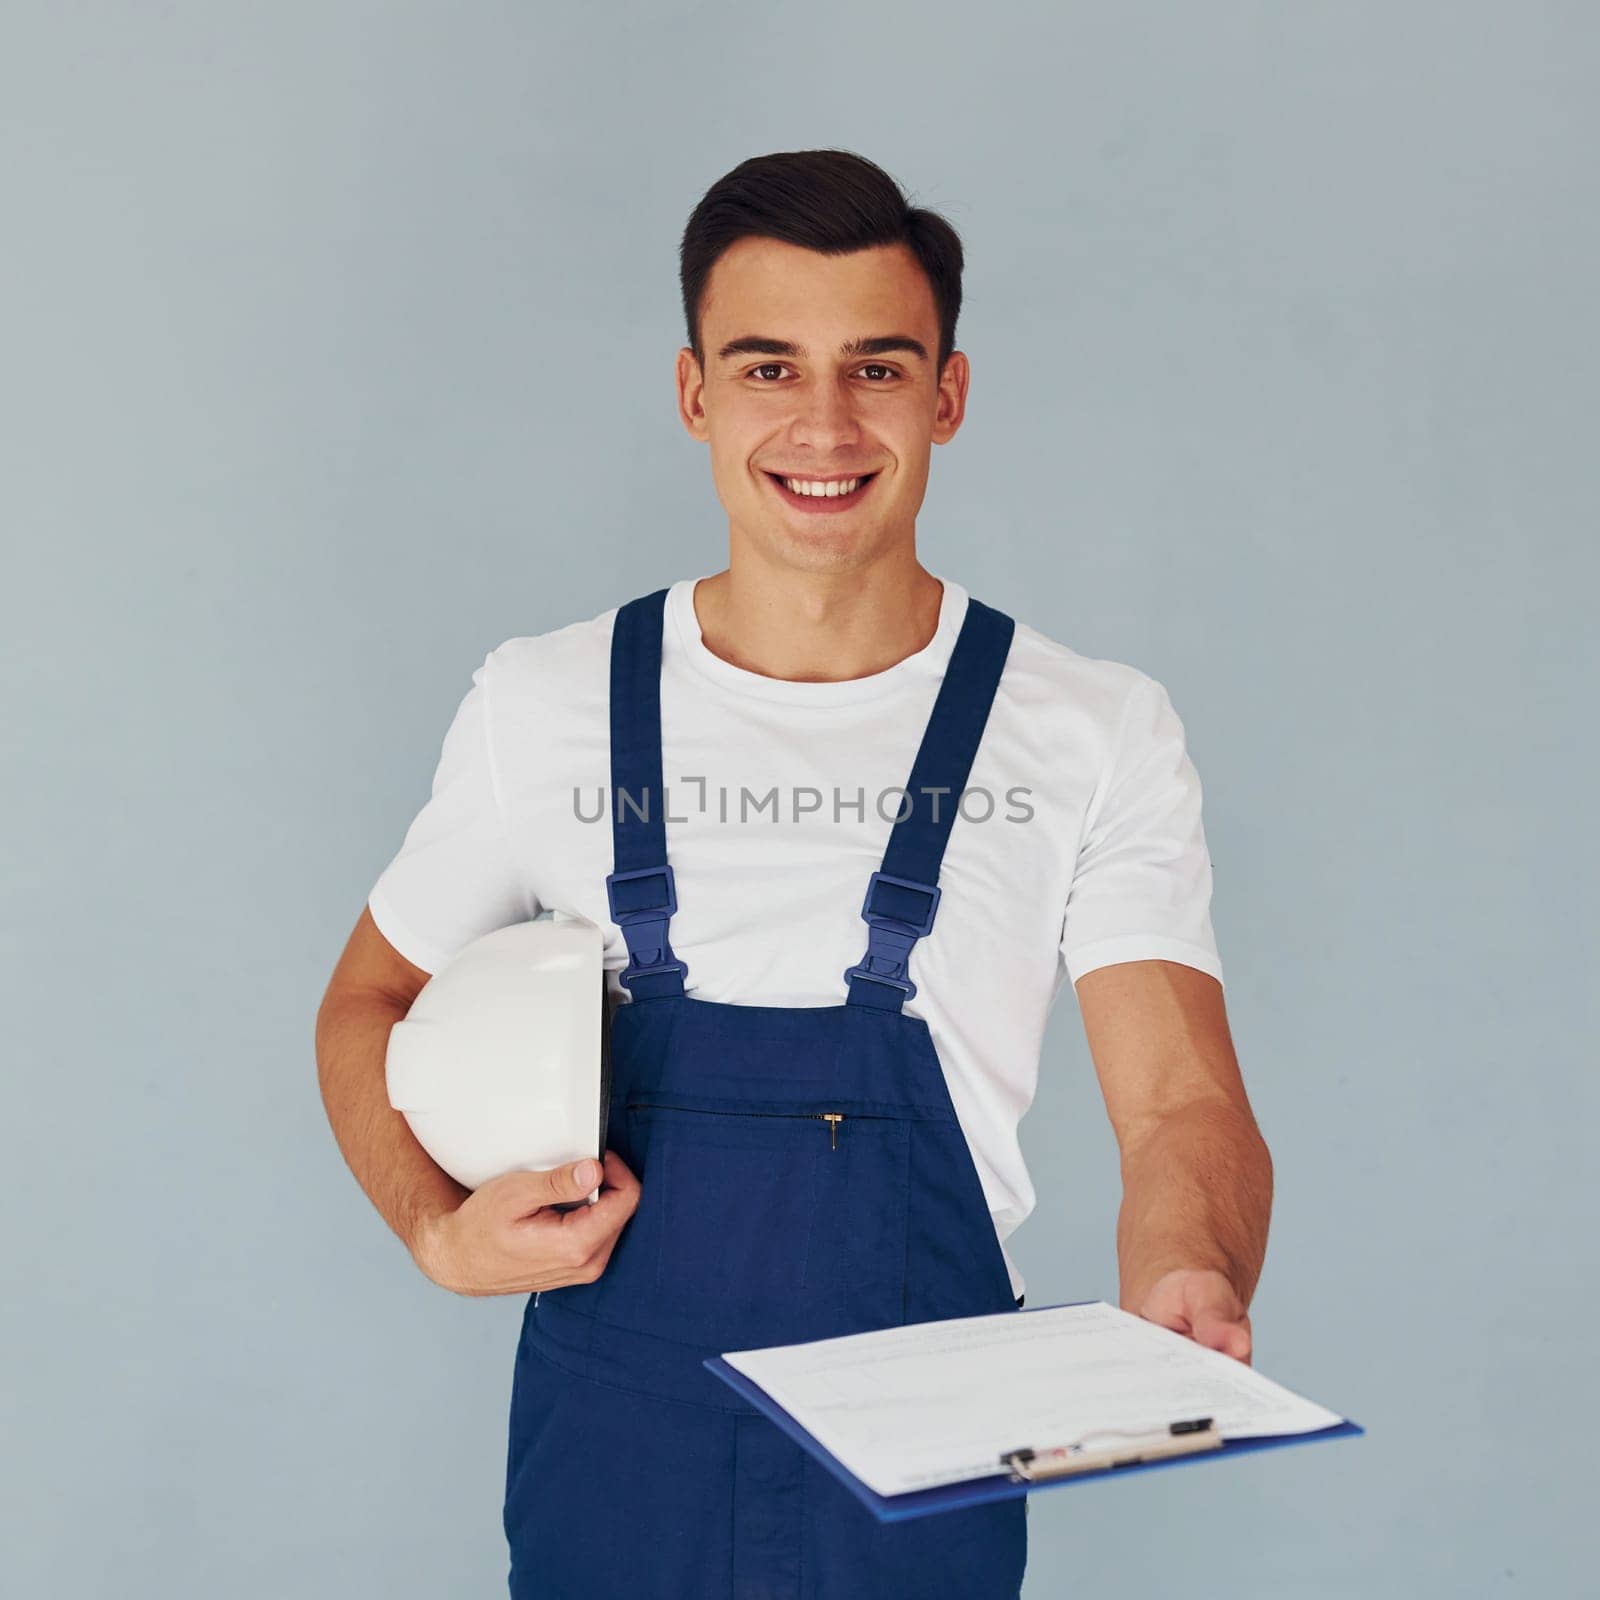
<point x="940" y="1402"/>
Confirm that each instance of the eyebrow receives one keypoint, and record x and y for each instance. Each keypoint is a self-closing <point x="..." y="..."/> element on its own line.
<point x="755" y="344"/>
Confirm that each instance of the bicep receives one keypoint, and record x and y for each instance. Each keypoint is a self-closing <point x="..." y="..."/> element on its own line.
<point x="1141" y="884"/>
<point x="456" y="875"/>
<point x="370" y="965"/>
<point x="1158" y="1034"/>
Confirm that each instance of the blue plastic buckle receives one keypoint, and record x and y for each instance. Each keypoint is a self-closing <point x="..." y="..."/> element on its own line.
<point x="890" y="938"/>
<point x="644" y="921"/>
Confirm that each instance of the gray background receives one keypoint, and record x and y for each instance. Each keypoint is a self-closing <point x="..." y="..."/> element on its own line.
<point x="337" y="343"/>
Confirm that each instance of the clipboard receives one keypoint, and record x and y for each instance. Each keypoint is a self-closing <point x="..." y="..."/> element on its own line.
<point x="1041" y="1465"/>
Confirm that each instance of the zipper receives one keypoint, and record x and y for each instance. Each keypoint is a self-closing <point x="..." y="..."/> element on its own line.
<point x="832" y="1118"/>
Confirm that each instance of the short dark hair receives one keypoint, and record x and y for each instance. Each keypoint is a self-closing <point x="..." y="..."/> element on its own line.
<point x="832" y="201"/>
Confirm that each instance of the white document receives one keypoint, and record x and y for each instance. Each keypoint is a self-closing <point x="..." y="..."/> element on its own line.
<point x="940" y="1402"/>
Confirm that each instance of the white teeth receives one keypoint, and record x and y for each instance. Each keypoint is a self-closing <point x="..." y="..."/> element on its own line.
<point x="821" y="490"/>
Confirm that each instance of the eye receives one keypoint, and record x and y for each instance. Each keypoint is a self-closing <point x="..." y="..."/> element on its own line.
<point x="779" y="366"/>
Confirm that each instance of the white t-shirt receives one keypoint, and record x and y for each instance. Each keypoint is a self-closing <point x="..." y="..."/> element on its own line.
<point x="780" y="800"/>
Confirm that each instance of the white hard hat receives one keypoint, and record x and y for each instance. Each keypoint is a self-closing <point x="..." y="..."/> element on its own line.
<point x="500" y="1064"/>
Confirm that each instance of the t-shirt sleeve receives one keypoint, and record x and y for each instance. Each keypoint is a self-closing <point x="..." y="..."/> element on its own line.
<point x="455" y="876"/>
<point x="1141" y="889"/>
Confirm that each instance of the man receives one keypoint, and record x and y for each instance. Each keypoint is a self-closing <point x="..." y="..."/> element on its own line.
<point x="770" y="715"/>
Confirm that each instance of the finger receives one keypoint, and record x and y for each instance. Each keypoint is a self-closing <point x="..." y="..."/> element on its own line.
<point x="603" y="1220"/>
<point x="1229" y="1335"/>
<point x="618" y="1174"/>
<point x="583" y="1229"/>
<point x="1173" y="1320"/>
<point x="578" y="1233"/>
<point x="601" y="1258"/>
<point x="519" y="1194"/>
<point x="1244" y="1348"/>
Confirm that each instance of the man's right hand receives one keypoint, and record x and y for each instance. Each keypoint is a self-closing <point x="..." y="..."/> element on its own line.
<point x="506" y="1238"/>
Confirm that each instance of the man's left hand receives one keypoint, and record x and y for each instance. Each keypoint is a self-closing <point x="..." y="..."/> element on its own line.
<point x="1200" y="1304"/>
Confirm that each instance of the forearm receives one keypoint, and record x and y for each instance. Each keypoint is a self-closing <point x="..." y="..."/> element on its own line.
<point x="1197" y="1193"/>
<point x="400" y="1178"/>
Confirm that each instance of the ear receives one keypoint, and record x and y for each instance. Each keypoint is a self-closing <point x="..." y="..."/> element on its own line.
<point x="691" y="395"/>
<point x="952" y="402"/>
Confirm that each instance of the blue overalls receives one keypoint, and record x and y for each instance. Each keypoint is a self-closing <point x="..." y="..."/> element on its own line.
<point x="803" y="1175"/>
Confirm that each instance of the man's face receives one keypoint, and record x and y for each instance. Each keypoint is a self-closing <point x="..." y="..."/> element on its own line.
<point x="783" y="395"/>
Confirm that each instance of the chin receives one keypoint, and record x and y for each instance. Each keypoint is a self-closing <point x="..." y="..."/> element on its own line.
<point x="803" y="551"/>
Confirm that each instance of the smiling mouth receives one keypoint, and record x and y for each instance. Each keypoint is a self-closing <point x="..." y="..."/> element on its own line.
<point x="822" y="502"/>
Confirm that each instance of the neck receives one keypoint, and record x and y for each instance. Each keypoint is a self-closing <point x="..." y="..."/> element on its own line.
<point x="818" y="627"/>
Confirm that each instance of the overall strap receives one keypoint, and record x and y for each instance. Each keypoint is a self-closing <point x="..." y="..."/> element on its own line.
<point x="903" y="895"/>
<point x="640" y="890"/>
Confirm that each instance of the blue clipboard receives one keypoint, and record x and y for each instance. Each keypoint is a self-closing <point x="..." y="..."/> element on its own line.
<point x="1001" y="1486"/>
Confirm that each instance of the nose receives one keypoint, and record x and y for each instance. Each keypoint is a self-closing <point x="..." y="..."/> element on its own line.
<point x="824" y="419"/>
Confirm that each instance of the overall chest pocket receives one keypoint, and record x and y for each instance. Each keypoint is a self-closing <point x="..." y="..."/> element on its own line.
<point x="764" y="1208"/>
